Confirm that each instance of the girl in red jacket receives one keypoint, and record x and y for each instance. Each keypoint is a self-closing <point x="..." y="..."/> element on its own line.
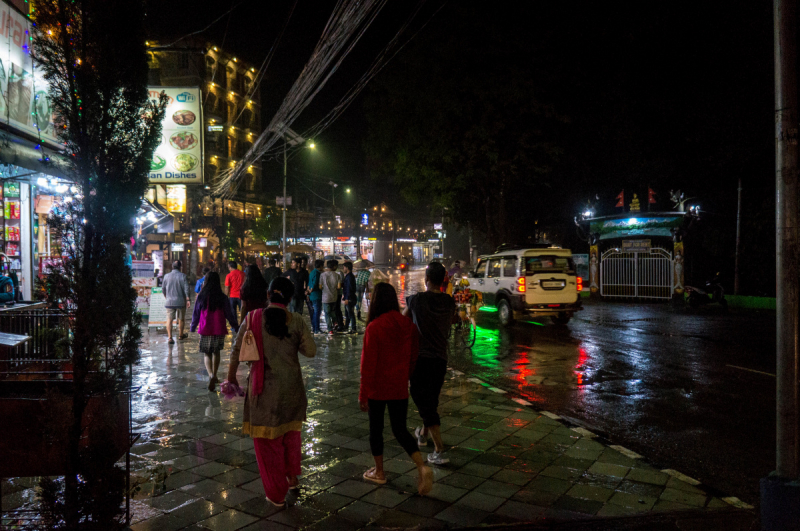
<point x="391" y="342"/>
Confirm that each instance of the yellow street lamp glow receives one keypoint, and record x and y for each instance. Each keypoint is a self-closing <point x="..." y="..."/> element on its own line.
<point x="348" y="190"/>
<point x="215" y="49"/>
<point x="312" y="145"/>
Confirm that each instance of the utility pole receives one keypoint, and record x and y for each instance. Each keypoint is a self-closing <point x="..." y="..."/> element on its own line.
<point x="780" y="492"/>
<point x="283" y="240"/>
<point x="738" y="239"/>
<point x="469" y="231"/>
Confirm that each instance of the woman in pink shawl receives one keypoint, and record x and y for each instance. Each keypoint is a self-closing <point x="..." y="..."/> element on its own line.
<point x="275" y="402"/>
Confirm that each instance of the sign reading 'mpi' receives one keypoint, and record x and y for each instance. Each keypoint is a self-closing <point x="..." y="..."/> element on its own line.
<point x="179" y="156"/>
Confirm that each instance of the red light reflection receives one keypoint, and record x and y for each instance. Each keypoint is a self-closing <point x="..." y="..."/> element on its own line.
<point x="583" y="357"/>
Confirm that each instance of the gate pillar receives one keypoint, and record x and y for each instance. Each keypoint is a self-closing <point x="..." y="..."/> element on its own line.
<point x="594" y="272"/>
<point x="679" y="274"/>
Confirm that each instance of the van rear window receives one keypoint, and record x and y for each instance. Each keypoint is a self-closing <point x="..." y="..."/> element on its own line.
<point x="549" y="263"/>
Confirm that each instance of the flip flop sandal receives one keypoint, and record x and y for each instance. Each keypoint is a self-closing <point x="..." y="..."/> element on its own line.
<point x="281" y="504"/>
<point x="372" y="478"/>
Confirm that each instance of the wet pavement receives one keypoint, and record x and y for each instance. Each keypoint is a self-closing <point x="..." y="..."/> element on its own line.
<point x="691" y="390"/>
<point x="510" y="411"/>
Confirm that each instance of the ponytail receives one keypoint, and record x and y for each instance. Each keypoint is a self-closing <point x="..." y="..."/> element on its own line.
<point x="276" y="322"/>
<point x="281" y="291"/>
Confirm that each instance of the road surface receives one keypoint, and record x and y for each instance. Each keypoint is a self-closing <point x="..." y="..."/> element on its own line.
<point x="689" y="390"/>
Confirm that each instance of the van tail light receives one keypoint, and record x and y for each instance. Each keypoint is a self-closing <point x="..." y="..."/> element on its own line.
<point x="521" y="284"/>
<point x="580" y="283"/>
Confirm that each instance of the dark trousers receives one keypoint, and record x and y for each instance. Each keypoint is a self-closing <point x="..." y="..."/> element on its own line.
<point x="297" y="305"/>
<point x="236" y="305"/>
<point x="398" y="410"/>
<point x="350" y="312"/>
<point x="426" y="384"/>
<point x="337" y="309"/>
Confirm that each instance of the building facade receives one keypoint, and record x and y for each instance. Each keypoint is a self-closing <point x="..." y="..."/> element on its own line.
<point x="231" y="104"/>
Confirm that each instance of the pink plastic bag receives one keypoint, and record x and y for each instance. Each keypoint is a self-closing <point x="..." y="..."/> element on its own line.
<point x="231" y="390"/>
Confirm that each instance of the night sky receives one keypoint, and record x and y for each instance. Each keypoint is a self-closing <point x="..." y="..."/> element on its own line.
<point x="666" y="95"/>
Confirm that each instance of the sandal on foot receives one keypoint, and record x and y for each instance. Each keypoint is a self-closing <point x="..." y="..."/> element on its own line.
<point x="369" y="475"/>
<point x="425" y="481"/>
<point x="281" y="504"/>
<point x="296" y="485"/>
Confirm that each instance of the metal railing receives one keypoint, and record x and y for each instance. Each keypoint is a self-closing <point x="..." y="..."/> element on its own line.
<point x="44" y="327"/>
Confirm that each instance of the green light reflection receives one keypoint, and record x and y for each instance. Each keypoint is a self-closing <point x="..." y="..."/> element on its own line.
<point x="489" y="309"/>
<point x="484" y="353"/>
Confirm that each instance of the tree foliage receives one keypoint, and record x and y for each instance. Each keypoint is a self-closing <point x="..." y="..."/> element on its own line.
<point x="92" y="55"/>
<point x="463" y="124"/>
<point x="267" y="228"/>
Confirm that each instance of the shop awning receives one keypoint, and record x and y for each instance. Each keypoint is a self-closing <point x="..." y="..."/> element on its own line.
<point x="24" y="153"/>
<point x="153" y="218"/>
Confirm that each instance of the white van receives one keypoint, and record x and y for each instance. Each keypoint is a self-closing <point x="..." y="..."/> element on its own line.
<point x="537" y="281"/>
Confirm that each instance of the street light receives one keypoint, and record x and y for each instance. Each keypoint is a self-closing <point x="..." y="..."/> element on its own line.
<point x="348" y="190"/>
<point x="293" y="139"/>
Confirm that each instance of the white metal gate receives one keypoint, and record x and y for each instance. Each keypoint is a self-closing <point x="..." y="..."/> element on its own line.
<point x="634" y="274"/>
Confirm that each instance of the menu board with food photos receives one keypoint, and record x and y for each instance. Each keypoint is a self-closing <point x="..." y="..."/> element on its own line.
<point x="178" y="159"/>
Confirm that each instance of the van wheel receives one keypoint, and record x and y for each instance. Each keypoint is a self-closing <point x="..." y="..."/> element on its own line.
<point x="561" y="319"/>
<point x="505" y="313"/>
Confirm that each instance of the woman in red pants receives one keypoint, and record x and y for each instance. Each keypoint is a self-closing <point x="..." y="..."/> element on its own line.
<point x="275" y="402"/>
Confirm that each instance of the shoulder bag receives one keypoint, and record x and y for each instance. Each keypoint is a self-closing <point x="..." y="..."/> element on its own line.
<point x="249" y="350"/>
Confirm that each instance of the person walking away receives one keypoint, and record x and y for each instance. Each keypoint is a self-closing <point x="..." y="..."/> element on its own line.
<point x="253" y="292"/>
<point x="299" y="278"/>
<point x="211" y="310"/>
<point x="199" y="284"/>
<point x="176" y="292"/>
<point x="391" y="342"/>
<point x="329" y="283"/>
<point x="233" y="282"/>
<point x="349" y="298"/>
<point x="338" y="308"/>
<point x="304" y="267"/>
<point x="455" y="270"/>
<point x="315" y="295"/>
<point x="362" y="287"/>
<point x="432" y="311"/>
<point x="275" y="401"/>
<point x="272" y="272"/>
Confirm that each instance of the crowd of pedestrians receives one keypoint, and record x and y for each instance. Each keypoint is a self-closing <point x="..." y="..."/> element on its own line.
<point x="404" y="353"/>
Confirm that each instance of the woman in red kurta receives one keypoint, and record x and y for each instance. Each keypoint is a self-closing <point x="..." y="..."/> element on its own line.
<point x="391" y="343"/>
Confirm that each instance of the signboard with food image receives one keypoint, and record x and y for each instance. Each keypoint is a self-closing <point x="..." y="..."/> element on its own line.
<point x="179" y="156"/>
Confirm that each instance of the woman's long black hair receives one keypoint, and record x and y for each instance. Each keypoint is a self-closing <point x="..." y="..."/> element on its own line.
<point x="211" y="296"/>
<point x="281" y="291"/>
<point x="384" y="300"/>
<point x="254" y="287"/>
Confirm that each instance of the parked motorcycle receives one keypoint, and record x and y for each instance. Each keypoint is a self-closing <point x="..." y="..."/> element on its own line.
<point x="711" y="293"/>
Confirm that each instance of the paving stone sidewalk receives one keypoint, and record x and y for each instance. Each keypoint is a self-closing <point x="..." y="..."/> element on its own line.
<point x="508" y="462"/>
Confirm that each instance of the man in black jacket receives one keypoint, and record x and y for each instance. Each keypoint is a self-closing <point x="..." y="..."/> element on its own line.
<point x="272" y="272"/>
<point x="349" y="297"/>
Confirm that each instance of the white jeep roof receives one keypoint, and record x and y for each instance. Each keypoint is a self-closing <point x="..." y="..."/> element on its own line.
<point x="538" y="251"/>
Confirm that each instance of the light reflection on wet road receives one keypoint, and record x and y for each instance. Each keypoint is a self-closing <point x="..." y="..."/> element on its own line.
<point x="653" y="378"/>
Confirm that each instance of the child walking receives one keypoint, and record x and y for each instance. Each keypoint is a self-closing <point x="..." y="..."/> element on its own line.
<point x="211" y="309"/>
<point x="390" y="350"/>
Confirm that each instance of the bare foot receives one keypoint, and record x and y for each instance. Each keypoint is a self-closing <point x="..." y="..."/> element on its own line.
<point x="293" y="481"/>
<point x="425" y="481"/>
